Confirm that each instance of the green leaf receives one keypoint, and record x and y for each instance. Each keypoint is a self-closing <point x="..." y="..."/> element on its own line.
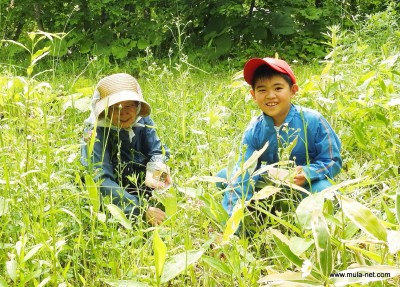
<point x="213" y="209"/>
<point x="283" y="244"/>
<point x="93" y="192"/>
<point x="217" y="264"/>
<point x="231" y="164"/>
<point x="44" y="281"/>
<point x="3" y="206"/>
<point x="282" y="24"/>
<point x="3" y="282"/>
<point x="389" y="214"/>
<point x="364" y="274"/>
<point x="142" y="44"/>
<point x="305" y="209"/>
<point x="299" y="245"/>
<point x="119" y="51"/>
<point x="322" y="242"/>
<point x="311" y="13"/>
<point x="118" y="215"/>
<point x="234" y="221"/>
<point x="11" y="268"/>
<point x="39" y="54"/>
<point x="265" y="192"/>
<point x="179" y="263"/>
<point x="288" y="278"/>
<point x="374" y="256"/>
<point x="222" y="43"/>
<point x="170" y="202"/>
<point x="363" y="218"/>
<point x="250" y="162"/>
<point x="398" y="204"/>
<point x="160" y="253"/>
<point x="16" y="43"/>
<point x="367" y="77"/>
<point x="32" y="252"/>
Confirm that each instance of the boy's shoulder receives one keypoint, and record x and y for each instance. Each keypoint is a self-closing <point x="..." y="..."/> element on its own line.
<point x="255" y="121"/>
<point x="259" y="124"/>
<point x="307" y="113"/>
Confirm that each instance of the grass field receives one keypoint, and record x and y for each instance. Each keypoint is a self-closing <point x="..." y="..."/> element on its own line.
<point x="52" y="232"/>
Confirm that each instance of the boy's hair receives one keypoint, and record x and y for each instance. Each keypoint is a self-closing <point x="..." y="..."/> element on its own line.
<point x="266" y="72"/>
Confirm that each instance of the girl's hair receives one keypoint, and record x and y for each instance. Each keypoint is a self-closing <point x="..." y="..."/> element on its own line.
<point x="266" y="72"/>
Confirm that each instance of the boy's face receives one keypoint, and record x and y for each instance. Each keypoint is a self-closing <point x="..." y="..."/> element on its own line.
<point x="123" y="114"/>
<point x="273" y="95"/>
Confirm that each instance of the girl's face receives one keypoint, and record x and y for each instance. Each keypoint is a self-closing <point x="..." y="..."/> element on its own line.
<point x="123" y="114"/>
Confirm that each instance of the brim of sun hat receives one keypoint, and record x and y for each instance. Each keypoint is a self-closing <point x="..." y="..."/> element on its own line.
<point x="277" y="64"/>
<point x="121" y="96"/>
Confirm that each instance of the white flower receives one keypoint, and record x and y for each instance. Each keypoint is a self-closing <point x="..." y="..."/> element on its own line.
<point x="393" y="240"/>
<point x="330" y="195"/>
<point x="306" y="268"/>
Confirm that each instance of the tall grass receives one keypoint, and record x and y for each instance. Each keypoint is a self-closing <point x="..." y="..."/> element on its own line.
<point x="52" y="233"/>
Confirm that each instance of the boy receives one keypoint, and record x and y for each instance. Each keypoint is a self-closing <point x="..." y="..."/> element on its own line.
<point x="316" y="150"/>
<point x="125" y="146"/>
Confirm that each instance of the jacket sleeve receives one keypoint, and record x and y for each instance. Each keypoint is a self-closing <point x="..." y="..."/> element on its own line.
<point x="104" y="173"/>
<point x="327" y="162"/>
<point x="241" y="187"/>
<point x="156" y="151"/>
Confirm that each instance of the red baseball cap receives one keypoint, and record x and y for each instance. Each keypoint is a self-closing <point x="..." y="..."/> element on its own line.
<point x="276" y="64"/>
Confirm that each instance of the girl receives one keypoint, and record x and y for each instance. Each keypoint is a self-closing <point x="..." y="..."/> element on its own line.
<point x="126" y="146"/>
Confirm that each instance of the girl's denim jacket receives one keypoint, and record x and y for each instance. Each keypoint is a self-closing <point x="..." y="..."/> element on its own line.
<point x="119" y="160"/>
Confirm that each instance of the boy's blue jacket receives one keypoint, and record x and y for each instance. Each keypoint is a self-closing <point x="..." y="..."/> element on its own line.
<point x="116" y="156"/>
<point x="317" y="149"/>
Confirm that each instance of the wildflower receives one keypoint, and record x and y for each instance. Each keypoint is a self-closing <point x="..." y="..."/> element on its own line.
<point x="393" y="240"/>
<point x="330" y="195"/>
<point x="306" y="268"/>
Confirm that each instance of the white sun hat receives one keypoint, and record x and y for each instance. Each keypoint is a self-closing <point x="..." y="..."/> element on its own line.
<point x="117" y="88"/>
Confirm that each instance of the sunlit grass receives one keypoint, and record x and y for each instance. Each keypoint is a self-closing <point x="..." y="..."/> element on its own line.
<point x="51" y="234"/>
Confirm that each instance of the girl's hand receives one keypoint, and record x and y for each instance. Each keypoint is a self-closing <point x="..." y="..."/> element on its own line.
<point x="155" y="216"/>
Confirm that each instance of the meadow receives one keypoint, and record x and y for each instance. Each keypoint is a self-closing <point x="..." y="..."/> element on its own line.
<point x="54" y="233"/>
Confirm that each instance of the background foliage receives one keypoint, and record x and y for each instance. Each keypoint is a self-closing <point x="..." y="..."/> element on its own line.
<point x="218" y="29"/>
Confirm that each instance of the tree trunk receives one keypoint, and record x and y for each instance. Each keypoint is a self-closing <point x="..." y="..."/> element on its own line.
<point x="18" y="31"/>
<point x="38" y="18"/>
<point x="252" y="5"/>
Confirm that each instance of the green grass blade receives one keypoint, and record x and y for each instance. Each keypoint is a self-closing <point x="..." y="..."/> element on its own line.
<point x="322" y="242"/>
<point x="398" y="204"/>
<point x="160" y="253"/>
<point x="93" y="192"/>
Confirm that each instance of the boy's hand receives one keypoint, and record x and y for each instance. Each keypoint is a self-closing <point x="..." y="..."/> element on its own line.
<point x="154" y="216"/>
<point x="300" y="177"/>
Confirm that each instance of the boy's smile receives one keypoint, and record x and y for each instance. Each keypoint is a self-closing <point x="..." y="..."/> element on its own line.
<point x="273" y="95"/>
